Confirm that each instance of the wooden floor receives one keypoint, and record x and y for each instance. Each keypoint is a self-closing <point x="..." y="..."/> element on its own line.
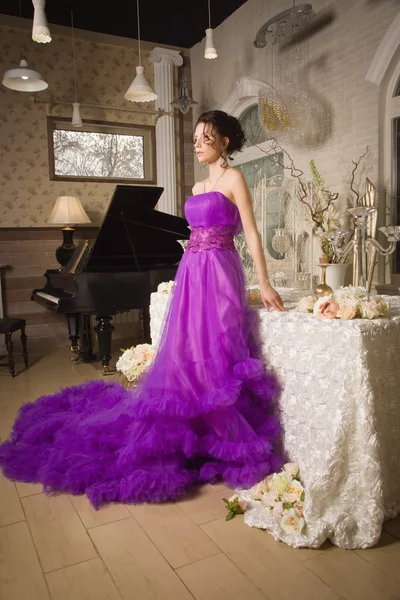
<point x="59" y="547"/>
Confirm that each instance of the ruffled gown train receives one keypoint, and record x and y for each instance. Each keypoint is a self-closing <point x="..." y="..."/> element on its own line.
<point x="202" y="411"/>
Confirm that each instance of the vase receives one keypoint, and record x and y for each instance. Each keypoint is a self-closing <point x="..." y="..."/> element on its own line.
<point x="335" y="275"/>
<point x="322" y="289"/>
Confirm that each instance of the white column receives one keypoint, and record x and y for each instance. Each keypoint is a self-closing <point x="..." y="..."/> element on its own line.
<point x="164" y="61"/>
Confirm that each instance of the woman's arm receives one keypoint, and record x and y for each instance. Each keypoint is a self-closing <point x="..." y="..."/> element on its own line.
<point x="242" y="198"/>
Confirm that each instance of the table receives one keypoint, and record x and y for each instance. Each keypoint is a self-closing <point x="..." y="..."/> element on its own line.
<point x="340" y="412"/>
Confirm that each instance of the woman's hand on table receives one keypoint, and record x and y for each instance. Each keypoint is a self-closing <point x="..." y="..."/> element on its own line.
<point x="271" y="298"/>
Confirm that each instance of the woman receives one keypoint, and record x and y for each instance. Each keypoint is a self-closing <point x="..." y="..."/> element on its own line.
<point x="201" y="412"/>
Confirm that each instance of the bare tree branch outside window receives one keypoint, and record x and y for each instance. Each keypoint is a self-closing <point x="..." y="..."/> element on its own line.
<point x="112" y="153"/>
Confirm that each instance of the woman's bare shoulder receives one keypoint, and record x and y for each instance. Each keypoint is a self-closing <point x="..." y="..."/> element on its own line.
<point x="197" y="188"/>
<point x="234" y="175"/>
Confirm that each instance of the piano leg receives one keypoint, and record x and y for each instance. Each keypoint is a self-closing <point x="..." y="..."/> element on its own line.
<point x="73" y="330"/>
<point x="87" y="349"/>
<point x="104" y="331"/>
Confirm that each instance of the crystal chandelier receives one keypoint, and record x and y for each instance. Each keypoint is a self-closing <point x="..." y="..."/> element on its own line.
<point x="184" y="102"/>
<point x="289" y="110"/>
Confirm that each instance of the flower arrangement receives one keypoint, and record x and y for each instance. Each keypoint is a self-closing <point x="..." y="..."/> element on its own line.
<point x="134" y="361"/>
<point x="350" y="302"/>
<point x="281" y="493"/>
<point x="326" y="215"/>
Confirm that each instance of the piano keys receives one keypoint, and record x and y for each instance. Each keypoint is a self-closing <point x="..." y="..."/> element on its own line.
<point x="136" y="249"/>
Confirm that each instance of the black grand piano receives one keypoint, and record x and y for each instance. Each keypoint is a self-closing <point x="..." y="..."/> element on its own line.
<point x="135" y="250"/>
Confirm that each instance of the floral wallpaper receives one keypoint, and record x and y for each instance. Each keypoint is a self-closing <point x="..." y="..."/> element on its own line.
<point x="104" y="72"/>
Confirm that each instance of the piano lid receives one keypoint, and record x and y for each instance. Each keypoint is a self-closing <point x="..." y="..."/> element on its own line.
<point x="133" y="236"/>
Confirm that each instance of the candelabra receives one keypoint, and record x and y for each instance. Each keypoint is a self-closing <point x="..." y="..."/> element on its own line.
<point x="365" y="248"/>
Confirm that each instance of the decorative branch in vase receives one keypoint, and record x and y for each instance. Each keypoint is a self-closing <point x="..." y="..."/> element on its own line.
<point x="322" y="210"/>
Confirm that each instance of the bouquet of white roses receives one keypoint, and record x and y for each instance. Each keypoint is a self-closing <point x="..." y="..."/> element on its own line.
<point x="134" y="361"/>
<point x="350" y="302"/>
<point x="283" y="494"/>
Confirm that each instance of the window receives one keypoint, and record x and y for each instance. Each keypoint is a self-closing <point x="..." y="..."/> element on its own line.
<point x="255" y="134"/>
<point x="269" y="214"/>
<point x="112" y="152"/>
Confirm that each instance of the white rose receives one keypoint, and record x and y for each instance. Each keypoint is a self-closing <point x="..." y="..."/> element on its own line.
<point x="242" y="503"/>
<point x="319" y="303"/>
<point x="280" y="482"/>
<point x="258" y="490"/>
<point x="374" y="308"/>
<point x="292" y="469"/>
<point x="278" y="509"/>
<point x="293" y="492"/>
<point x="350" y="295"/>
<point x="292" y="521"/>
<point x="306" y="304"/>
<point x="138" y="357"/>
<point x="300" y="507"/>
<point x="269" y="499"/>
<point x="348" y="311"/>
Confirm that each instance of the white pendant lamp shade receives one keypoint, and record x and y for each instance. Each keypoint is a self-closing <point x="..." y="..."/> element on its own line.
<point x="140" y="89"/>
<point x="68" y="210"/>
<point x="210" y="51"/>
<point x="76" y="115"/>
<point x="23" y="79"/>
<point x="40" y="29"/>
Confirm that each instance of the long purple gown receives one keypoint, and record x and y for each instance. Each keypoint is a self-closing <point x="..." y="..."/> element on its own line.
<point x="201" y="412"/>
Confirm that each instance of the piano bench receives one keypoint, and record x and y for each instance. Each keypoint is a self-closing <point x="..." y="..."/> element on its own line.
<point x="7" y="327"/>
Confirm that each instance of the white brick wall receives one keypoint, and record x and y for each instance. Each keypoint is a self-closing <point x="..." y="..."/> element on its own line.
<point x="348" y="47"/>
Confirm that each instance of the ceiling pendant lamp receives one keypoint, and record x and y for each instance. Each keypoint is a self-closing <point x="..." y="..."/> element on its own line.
<point x="210" y="51"/>
<point x="140" y="89"/>
<point x="24" y="79"/>
<point x="76" y="115"/>
<point x="40" y="29"/>
<point x="76" y="112"/>
<point x="184" y="102"/>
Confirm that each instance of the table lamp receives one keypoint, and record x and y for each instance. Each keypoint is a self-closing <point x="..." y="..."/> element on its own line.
<point x="67" y="211"/>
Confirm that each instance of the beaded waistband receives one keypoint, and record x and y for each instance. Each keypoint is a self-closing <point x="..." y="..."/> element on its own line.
<point x="205" y="238"/>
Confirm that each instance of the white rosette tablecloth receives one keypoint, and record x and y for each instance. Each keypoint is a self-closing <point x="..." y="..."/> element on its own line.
<point x="340" y="413"/>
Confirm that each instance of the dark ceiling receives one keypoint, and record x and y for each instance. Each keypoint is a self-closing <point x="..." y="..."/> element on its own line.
<point x="172" y="22"/>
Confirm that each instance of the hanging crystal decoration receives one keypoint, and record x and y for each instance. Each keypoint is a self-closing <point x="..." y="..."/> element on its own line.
<point x="290" y="110"/>
<point x="284" y="25"/>
<point x="284" y="110"/>
<point x="184" y="102"/>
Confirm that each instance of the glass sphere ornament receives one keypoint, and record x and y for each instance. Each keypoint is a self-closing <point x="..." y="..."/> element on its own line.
<point x="281" y="241"/>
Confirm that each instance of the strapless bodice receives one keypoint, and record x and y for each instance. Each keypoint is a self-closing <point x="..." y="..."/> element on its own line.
<point x="213" y="209"/>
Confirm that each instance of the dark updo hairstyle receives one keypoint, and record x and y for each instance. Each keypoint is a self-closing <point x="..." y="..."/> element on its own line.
<point x="226" y="126"/>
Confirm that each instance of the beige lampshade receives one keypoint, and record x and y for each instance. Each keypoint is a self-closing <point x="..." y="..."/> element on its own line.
<point x="68" y="210"/>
